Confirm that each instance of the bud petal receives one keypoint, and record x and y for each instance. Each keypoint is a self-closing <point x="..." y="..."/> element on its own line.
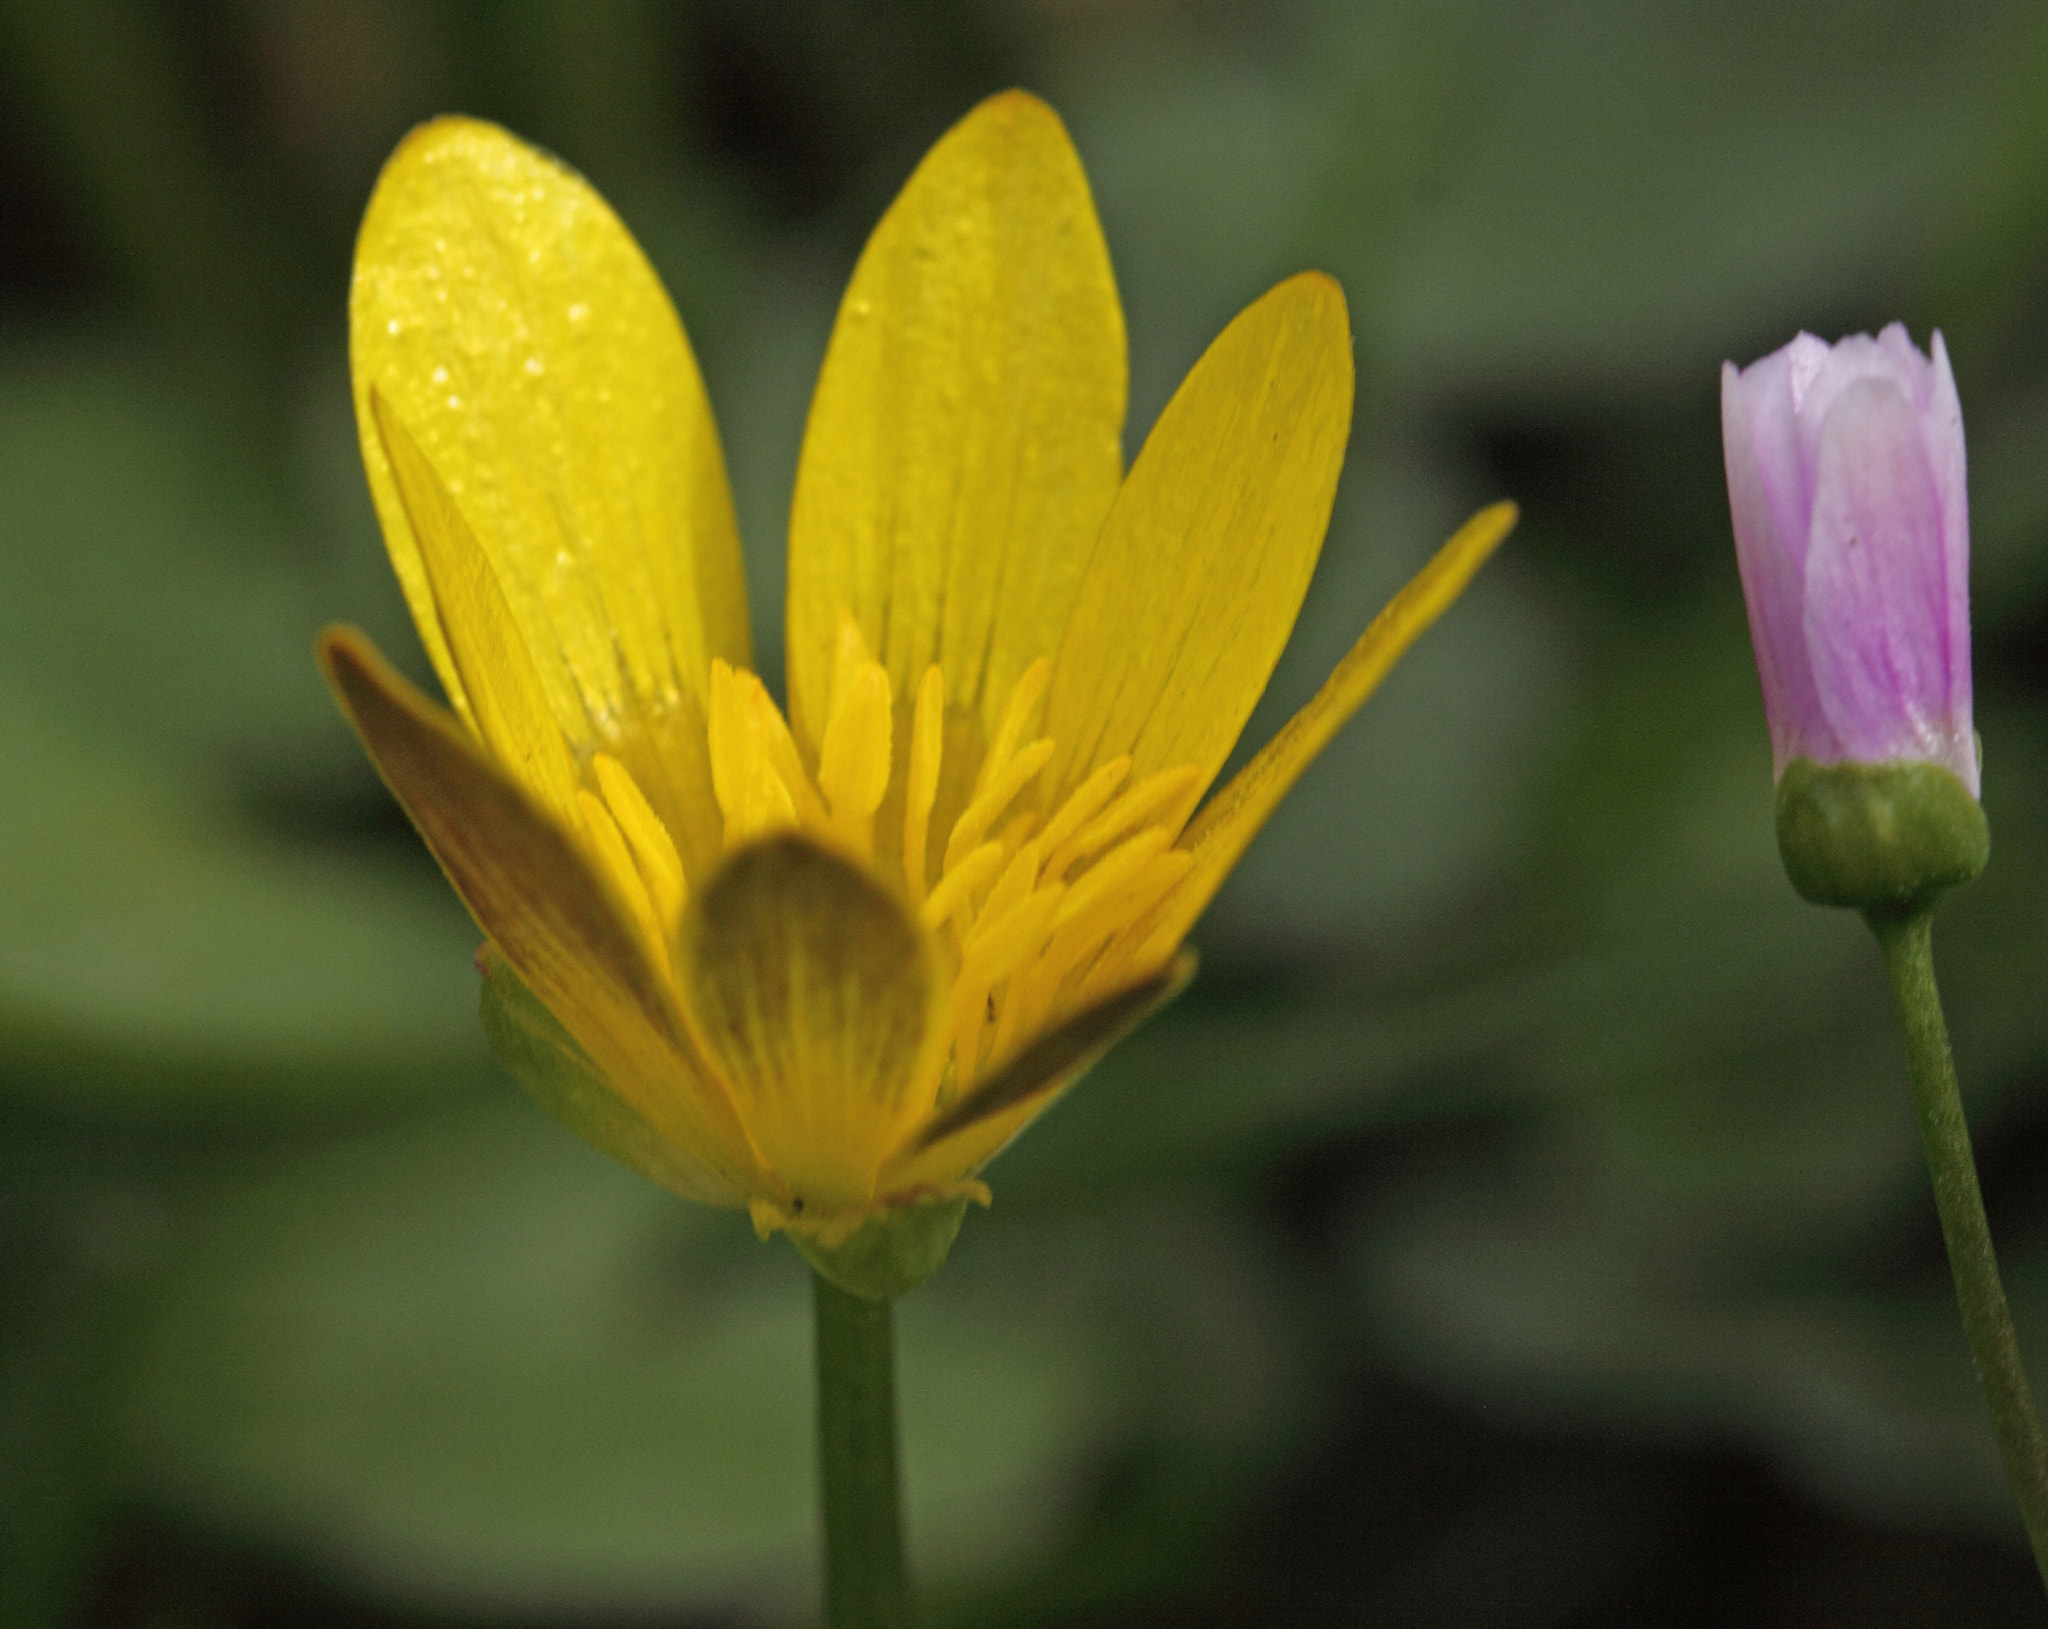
<point x="1845" y="484"/>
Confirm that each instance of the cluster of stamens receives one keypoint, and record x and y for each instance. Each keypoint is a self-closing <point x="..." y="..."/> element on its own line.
<point x="1038" y="916"/>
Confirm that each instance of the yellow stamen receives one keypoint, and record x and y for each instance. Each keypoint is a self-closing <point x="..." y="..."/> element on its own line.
<point x="850" y="653"/>
<point x="780" y="747"/>
<point x="753" y="796"/>
<point x="853" y="759"/>
<point x="1137" y="805"/>
<point x="1128" y="955"/>
<point x="1083" y="803"/>
<point x="994" y="952"/>
<point x="1016" y="714"/>
<point x="615" y="857"/>
<point x="951" y="893"/>
<point x="654" y="851"/>
<point x="990" y="802"/>
<point x="1015" y="882"/>
<point x="1001" y="941"/>
<point x="1004" y="949"/>
<point x="1025" y="939"/>
<point x="1111" y="872"/>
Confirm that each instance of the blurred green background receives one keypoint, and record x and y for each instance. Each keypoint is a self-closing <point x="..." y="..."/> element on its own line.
<point x="1520" y="1223"/>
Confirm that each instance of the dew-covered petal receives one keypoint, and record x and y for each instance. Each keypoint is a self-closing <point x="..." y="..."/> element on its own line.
<point x="964" y="440"/>
<point x="503" y="699"/>
<point x="1194" y="585"/>
<point x="818" y="998"/>
<point x="520" y="335"/>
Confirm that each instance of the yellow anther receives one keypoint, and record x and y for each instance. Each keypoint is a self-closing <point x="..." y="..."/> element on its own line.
<point x="654" y="851"/>
<point x="994" y="952"/>
<point x="765" y="807"/>
<point x="1000" y="944"/>
<point x="1129" y="951"/>
<point x="1083" y="803"/>
<point x="849" y="653"/>
<point x="780" y="747"/>
<point x="1015" y="882"/>
<point x="993" y="799"/>
<point x="1007" y="953"/>
<point x="1101" y="881"/>
<point x="749" y="791"/>
<point x="1024" y="698"/>
<point x="958" y="881"/>
<point x="853" y="759"/>
<point x="1092" y="916"/>
<point x="1138" y="804"/>
<point x="615" y="858"/>
<point x="921" y="784"/>
<point x="1018" y="831"/>
<point x="969" y="1016"/>
<point x="730" y="727"/>
<point x="1022" y="940"/>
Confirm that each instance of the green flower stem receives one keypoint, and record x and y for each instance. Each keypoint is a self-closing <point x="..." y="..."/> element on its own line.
<point x="865" y="1587"/>
<point x="1906" y="937"/>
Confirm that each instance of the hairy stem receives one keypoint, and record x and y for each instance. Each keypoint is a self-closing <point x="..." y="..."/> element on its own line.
<point x="1906" y="938"/>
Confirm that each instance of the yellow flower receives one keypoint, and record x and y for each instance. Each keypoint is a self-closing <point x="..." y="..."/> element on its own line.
<point x="825" y="965"/>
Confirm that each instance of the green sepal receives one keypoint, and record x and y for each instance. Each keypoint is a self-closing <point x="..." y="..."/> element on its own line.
<point x="890" y="1253"/>
<point x="1878" y="836"/>
<point x="559" y="1075"/>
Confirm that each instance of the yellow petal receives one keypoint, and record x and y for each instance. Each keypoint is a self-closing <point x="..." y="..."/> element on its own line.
<point x="1194" y="585"/>
<point x="537" y="898"/>
<point x="963" y="444"/>
<point x="1224" y="829"/>
<point x="521" y="336"/>
<point x="499" y="686"/>
<point x="818" y="998"/>
<point x="970" y="1132"/>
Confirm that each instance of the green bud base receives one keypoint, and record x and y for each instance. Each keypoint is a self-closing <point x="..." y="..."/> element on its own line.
<point x="1878" y="836"/>
<point x="892" y="1252"/>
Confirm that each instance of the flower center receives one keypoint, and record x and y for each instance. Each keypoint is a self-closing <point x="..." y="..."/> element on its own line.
<point x="1038" y="914"/>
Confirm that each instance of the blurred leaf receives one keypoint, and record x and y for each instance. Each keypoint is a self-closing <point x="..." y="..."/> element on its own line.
<point x="474" y="1366"/>
<point x="1648" y="183"/>
<point x="147" y="580"/>
<point x="1531" y="200"/>
<point x="159" y="954"/>
<point x="1533" y="1298"/>
<point x="2008" y="504"/>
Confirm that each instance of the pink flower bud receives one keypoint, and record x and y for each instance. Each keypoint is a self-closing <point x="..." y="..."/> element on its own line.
<point x="1845" y="478"/>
